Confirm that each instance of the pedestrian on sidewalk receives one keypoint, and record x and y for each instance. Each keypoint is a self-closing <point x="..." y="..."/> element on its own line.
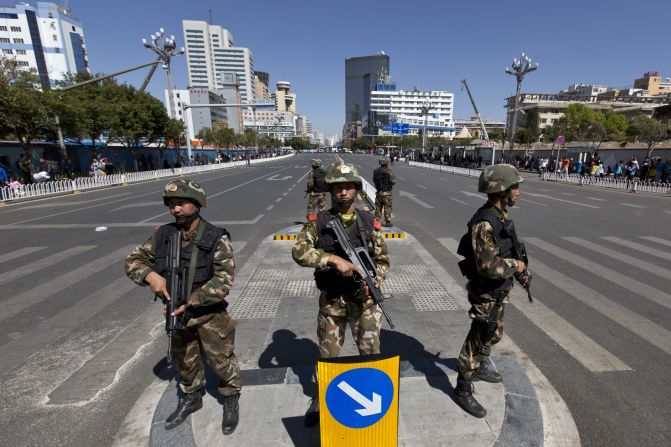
<point x="343" y="301"/>
<point x="490" y="266"/>
<point x="206" y="326"/>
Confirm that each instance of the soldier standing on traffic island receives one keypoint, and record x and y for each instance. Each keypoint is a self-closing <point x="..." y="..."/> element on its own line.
<point x="384" y="181"/>
<point x="490" y="265"/>
<point x="316" y="188"/>
<point x="208" y="329"/>
<point x="342" y="301"/>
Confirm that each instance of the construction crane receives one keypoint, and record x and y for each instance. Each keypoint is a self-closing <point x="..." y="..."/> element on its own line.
<point x="485" y="136"/>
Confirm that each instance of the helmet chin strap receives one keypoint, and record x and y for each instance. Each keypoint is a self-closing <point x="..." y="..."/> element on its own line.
<point x="343" y="205"/>
<point x="185" y="220"/>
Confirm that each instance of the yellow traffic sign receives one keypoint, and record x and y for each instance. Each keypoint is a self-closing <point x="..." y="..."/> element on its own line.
<point x="359" y="401"/>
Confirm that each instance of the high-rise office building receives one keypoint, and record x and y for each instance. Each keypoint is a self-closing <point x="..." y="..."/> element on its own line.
<point x="198" y="118"/>
<point x="209" y="51"/>
<point x="361" y="76"/>
<point x="284" y="100"/>
<point x="262" y="80"/>
<point x="45" y="37"/>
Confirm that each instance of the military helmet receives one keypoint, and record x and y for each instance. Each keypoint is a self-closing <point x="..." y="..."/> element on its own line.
<point x="383" y="161"/>
<point x="498" y="178"/>
<point x="185" y="189"/>
<point x="316" y="163"/>
<point x="341" y="172"/>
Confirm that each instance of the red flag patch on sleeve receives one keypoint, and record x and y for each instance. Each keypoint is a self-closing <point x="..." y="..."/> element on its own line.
<point x="376" y="224"/>
<point x="312" y="217"/>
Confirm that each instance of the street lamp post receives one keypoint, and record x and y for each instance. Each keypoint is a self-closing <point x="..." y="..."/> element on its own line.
<point x="520" y="67"/>
<point x="165" y="47"/>
<point x="426" y="107"/>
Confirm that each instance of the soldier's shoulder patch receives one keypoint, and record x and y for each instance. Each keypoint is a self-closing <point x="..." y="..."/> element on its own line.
<point x="158" y="227"/>
<point x="312" y="217"/>
<point x="377" y="224"/>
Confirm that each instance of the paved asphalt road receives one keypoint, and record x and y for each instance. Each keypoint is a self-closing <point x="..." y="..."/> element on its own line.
<point x="599" y="329"/>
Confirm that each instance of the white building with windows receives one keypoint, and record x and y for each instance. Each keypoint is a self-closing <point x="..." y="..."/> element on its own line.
<point x="45" y="37"/>
<point x="198" y="118"/>
<point x="280" y="125"/>
<point x="210" y="51"/>
<point x="403" y="107"/>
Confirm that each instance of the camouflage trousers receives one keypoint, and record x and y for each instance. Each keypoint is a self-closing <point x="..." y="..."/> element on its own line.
<point x="316" y="202"/>
<point x="215" y="338"/>
<point x="365" y="327"/>
<point x="469" y="358"/>
<point x="383" y="205"/>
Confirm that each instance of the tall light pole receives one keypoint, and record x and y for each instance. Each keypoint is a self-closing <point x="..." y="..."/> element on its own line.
<point x="426" y="107"/>
<point x="520" y="67"/>
<point x="165" y="47"/>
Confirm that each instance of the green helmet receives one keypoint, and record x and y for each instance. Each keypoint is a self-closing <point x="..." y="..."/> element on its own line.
<point x="498" y="178"/>
<point x="343" y="173"/>
<point x="383" y="161"/>
<point x="316" y="163"/>
<point x="185" y="189"/>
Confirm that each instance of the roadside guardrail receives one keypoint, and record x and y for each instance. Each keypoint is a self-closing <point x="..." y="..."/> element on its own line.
<point x="74" y="186"/>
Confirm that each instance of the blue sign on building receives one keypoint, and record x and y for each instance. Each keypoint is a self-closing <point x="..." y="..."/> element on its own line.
<point x="360" y="397"/>
<point x="404" y="129"/>
<point x="395" y="128"/>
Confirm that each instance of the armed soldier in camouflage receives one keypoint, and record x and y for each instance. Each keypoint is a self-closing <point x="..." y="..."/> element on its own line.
<point x="342" y="300"/>
<point x="208" y="327"/>
<point x="384" y="181"/>
<point x="316" y="188"/>
<point x="490" y="266"/>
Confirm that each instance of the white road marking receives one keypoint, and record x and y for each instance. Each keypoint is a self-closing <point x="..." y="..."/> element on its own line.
<point x="421" y="186"/>
<point x="415" y="199"/>
<point x="545" y="196"/>
<point x="632" y="205"/>
<point x="472" y="194"/>
<point x="535" y="203"/>
<point x="270" y="207"/>
<point x="459" y="201"/>
<point x="638" y="287"/>
<point x="567" y="193"/>
<point x="19" y="253"/>
<point x="596" y="198"/>
<point x="43" y="263"/>
<point x="658" y="240"/>
<point x="639" y="247"/>
<point x="278" y="200"/>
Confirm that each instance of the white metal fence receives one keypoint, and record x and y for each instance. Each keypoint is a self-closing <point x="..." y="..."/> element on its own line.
<point x="45" y="189"/>
<point x="612" y="183"/>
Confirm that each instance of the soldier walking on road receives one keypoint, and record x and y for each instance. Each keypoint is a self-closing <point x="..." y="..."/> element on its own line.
<point x="208" y="328"/>
<point x="384" y="181"/>
<point x="342" y="300"/>
<point x="316" y="188"/>
<point x="490" y="266"/>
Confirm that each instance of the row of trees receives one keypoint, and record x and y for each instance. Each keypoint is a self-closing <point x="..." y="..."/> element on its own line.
<point x="592" y="127"/>
<point x="118" y="112"/>
<point x="226" y="138"/>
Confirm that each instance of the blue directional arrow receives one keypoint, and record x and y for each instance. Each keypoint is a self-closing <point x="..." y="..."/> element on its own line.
<point x="360" y="397"/>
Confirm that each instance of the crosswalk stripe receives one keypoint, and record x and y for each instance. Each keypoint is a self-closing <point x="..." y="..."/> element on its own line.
<point x="42" y="291"/>
<point x="626" y="282"/>
<point x="17" y="351"/>
<point x="619" y="256"/>
<point x="545" y="196"/>
<point x="19" y="253"/>
<point x="639" y="247"/>
<point x="585" y="350"/>
<point x="639" y="325"/>
<point x="658" y="240"/>
<point x="43" y="263"/>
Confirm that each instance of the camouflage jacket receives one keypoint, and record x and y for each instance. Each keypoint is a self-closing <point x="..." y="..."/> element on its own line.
<point x="141" y="262"/>
<point x="486" y="250"/>
<point x="306" y="254"/>
<point x="311" y="180"/>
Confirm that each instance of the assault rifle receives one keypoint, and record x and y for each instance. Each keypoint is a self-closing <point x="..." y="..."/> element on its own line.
<point x="521" y="254"/>
<point x="360" y="257"/>
<point x="176" y="286"/>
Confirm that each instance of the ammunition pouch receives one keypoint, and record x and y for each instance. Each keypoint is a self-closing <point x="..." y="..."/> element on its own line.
<point x="329" y="281"/>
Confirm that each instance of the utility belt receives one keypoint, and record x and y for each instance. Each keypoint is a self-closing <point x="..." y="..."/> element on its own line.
<point x="328" y="280"/>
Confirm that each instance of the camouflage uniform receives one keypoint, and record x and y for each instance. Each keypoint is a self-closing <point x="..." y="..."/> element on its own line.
<point x="336" y="311"/>
<point x="316" y="199"/>
<point x="209" y="328"/>
<point x="384" y="180"/>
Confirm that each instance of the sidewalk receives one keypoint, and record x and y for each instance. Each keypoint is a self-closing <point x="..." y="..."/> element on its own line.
<point x="275" y="303"/>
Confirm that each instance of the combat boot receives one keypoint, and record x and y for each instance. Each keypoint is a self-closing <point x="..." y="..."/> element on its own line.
<point x="388" y="224"/>
<point x="188" y="403"/>
<point x="231" y="414"/>
<point x="485" y="374"/>
<point x="463" y="396"/>
<point x="312" y="415"/>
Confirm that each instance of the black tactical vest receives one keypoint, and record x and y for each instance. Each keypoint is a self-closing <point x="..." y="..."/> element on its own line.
<point x="206" y="246"/>
<point x="381" y="179"/>
<point x="319" y="184"/>
<point x="328" y="279"/>
<point x="503" y="231"/>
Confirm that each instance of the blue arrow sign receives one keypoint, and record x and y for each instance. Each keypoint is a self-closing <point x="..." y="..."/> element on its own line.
<point x="404" y="129"/>
<point x="395" y="128"/>
<point x="360" y="397"/>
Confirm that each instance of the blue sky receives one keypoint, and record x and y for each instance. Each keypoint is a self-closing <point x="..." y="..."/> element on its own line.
<point x="432" y="44"/>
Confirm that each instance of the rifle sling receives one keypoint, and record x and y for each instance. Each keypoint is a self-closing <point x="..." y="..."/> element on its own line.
<point x="194" y="259"/>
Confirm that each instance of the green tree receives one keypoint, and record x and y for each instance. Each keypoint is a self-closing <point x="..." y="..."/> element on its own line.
<point x="616" y="126"/>
<point x="651" y="131"/>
